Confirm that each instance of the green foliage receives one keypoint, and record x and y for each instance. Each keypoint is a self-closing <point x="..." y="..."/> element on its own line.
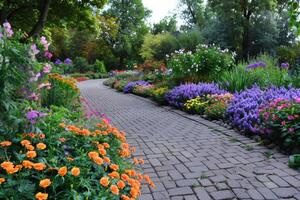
<point x="109" y="82"/>
<point x="240" y="78"/>
<point x="81" y="65"/>
<point x="158" y="94"/>
<point x="63" y="92"/>
<point x="120" y="84"/>
<point x="166" y="25"/>
<point x="289" y="55"/>
<point x="99" y="67"/>
<point x="205" y="64"/>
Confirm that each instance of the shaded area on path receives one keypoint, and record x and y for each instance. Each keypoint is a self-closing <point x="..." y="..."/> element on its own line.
<point x="191" y="158"/>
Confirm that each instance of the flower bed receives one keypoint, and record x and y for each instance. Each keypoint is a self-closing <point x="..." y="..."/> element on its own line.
<point x="48" y="149"/>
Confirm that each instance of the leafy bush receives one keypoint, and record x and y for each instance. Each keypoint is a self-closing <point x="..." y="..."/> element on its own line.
<point x="81" y="65"/>
<point x="99" y="67"/>
<point x="205" y="64"/>
<point x="263" y="71"/>
<point x="63" y="92"/>
<point x="217" y="105"/>
<point x="143" y="90"/>
<point x="120" y="85"/>
<point x="179" y="95"/>
<point x="130" y="86"/>
<point x="159" y="93"/>
<point x="243" y="111"/>
<point x="280" y="122"/>
<point x="109" y="82"/>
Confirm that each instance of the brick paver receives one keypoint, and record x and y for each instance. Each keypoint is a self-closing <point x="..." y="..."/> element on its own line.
<point x="191" y="158"/>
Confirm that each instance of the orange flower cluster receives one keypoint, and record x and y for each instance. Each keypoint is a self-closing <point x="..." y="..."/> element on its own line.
<point x="10" y="167"/>
<point x="5" y="143"/>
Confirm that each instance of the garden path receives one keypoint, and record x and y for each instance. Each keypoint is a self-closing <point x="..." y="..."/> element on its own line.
<point x="191" y="158"/>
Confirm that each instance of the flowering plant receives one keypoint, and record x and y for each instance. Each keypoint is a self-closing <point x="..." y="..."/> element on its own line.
<point x="280" y="122"/>
<point x="204" y="64"/>
<point x="130" y="86"/>
<point x="196" y="105"/>
<point x="143" y="90"/>
<point x="120" y="85"/>
<point x="243" y="111"/>
<point x="158" y="94"/>
<point x="179" y="95"/>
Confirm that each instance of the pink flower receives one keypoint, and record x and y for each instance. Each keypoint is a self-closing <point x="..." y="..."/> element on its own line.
<point x="34" y="49"/>
<point x="45" y="43"/>
<point x="34" y="97"/>
<point x="47" y="68"/>
<point x="291" y="130"/>
<point x="9" y="32"/>
<point x="42" y="85"/>
<point x="297" y="100"/>
<point x="35" y="77"/>
<point x="48" y="54"/>
<point x="283" y="123"/>
<point x="291" y="117"/>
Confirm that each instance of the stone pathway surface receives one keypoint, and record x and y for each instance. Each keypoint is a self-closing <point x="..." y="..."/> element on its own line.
<point x="191" y="158"/>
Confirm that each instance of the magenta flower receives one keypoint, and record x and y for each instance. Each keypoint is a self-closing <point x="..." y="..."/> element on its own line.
<point x="283" y="123"/>
<point x="291" y="130"/>
<point x="45" y="43"/>
<point x="48" y="54"/>
<point x="34" y="97"/>
<point x="297" y="100"/>
<point x="291" y="117"/>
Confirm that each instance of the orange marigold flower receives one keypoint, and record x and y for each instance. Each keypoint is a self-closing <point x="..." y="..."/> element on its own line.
<point x="29" y="147"/>
<point x="124" y="177"/>
<point x="19" y="167"/>
<point x="135" y="161"/>
<point x="114" y="175"/>
<point x="6" y="165"/>
<point x="121" y="184"/>
<point x="45" y="183"/>
<point x="106" y="159"/>
<point x="134" y="192"/>
<point x="142" y="161"/>
<point x="125" y="145"/>
<point x="62" y="171"/>
<point x="132" y="149"/>
<point x="106" y="145"/>
<point x="124" y="197"/>
<point x="39" y="166"/>
<point x="25" y="142"/>
<point x="114" y="167"/>
<point x="27" y="164"/>
<point x="41" y="196"/>
<point x="5" y="143"/>
<point x="75" y="171"/>
<point x="98" y="160"/>
<point x="93" y="154"/>
<point x="41" y="146"/>
<point x="2" y="180"/>
<point x="104" y="181"/>
<point x="12" y="170"/>
<point x="102" y="152"/>
<point x="31" y="154"/>
<point x="114" y="189"/>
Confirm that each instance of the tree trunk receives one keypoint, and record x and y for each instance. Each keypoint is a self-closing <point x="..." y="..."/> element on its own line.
<point x="38" y="27"/>
<point x="121" y="62"/>
<point x="246" y="36"/>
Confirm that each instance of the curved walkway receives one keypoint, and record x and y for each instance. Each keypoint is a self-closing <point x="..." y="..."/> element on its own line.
<point x="191" y="158"/>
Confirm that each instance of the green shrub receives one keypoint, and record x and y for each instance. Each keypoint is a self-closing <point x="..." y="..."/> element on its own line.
<point x="109" y="82"/>
<point x="204" y="65"/>
<point x="81" y="65"/>
<point x="243" y="76"/>
<point x="99" y="67"/>
<point x="63" y="92"/>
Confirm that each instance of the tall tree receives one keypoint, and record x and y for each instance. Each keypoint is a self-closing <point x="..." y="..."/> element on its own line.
<point x="31" y="16"/>
<point x="167" y="24"/>
<point x="241" y="14"/>
<point x="193" y="12"/>
<point x="130" y="16"/>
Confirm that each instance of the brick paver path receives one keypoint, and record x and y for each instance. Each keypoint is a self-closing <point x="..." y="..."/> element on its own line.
<point x="191" y="158"/>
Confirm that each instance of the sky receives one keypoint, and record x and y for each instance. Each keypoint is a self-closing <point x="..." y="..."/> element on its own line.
<point x="160" y="8"/>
